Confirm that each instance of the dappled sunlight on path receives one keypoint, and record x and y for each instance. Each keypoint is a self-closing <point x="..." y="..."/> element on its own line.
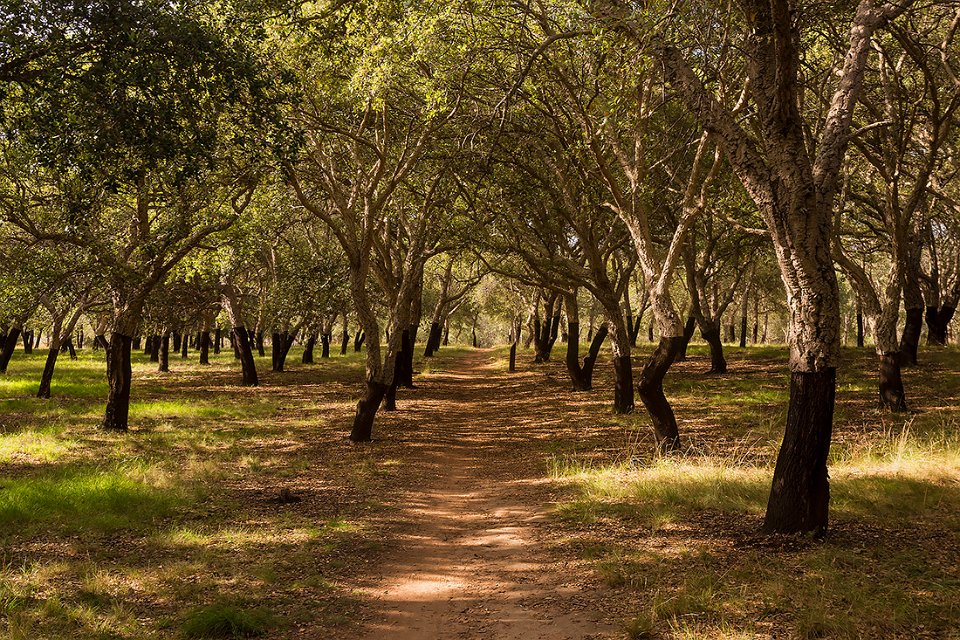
<point x="468" y="561"/>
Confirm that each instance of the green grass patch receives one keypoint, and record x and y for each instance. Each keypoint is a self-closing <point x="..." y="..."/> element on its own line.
<point x="83" y="499"/>
<point x="225" y="621"/>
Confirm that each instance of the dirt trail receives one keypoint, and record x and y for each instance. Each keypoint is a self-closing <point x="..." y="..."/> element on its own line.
<point x="468" y="560"/>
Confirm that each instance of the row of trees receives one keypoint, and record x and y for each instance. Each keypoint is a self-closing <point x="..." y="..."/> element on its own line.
<point x="299" y="169"/>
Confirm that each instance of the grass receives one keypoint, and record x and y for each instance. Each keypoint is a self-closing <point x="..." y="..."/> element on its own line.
<point x="174" y="530"/>
<point x="225" y="621"/>
<point x="169" y="531"/>
<point x="679" y="533"/>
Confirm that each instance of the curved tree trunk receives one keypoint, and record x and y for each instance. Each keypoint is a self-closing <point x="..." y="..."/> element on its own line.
<point x="650" y="390"/>
<point x="892" y="395"/>
<point x="247" y="364"/>
<point x="718" y="364"/>
<point x="910" y="340"/>
<point x="47" y="377"/>
<point x="13" y="334"/>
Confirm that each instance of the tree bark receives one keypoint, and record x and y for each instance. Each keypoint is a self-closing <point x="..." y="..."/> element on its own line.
<point x="163" y="353"/>
<point x="892" y="395"/>
<point x="205" y="347"/>
<point x="688" y="329"/>
<point x="247" y="364"/>
<point x="307" y="357"/>
<point x="8" y="347"/>
<point x="800" y="495"/>
<point x="367" y="411"/>
<point x="650" y="390"/>
<point x="910" y="340"/>
<point x="119" y="376"/>
<point x="718" y="364"/>
<point x="45" y="379"/>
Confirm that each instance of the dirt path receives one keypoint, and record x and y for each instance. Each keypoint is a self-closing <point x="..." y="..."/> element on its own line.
<point x="468" y="560"/>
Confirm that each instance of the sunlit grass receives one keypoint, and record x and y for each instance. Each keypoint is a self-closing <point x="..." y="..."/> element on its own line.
<point x="83" y="499"/>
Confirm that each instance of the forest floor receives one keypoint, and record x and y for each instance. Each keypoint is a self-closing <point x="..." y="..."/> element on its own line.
<point x="491" y="505"/>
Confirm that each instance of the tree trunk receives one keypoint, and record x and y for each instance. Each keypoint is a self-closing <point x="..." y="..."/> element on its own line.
<point x="367" y="411"/>
<point x="119" y="376"/>
<point x="155" y="348"/>
<point x="325" y="345"/>
<point x="261" y="351"/>
<point x="513" y="356"/>
<point x="217" y="340"/>
<point x="433" y="339"/>
<point x="800" y="495"/>
<point x="687" y="334"/>
<point x="446" y="333"/>
<point x="163" y="353"/>
<point x="590" y="361"/>
<point x="910" y="340"/>
<point x="358" y="341"/>
<point x="48" y="368"/>
<point x="247" y="363"/>
<point x="205" y="347"/>
<point x="718" y="363"/>
<point x="8" y="347"/>
<point x="650" y="390"/>
<point x="743" y="331"/>
<point x="573" y="358"/>
<point x="176" y="341"/>
<point x="345" y="337"/>
<point x="622" y="384"/>
<point x="859" y="327"/>
<point x="27" y="342"/>
<point x="892" y="395"/>
<point x="184" y="345"/>
<point x="308" y="349"/>
<point x="406" y="355"/>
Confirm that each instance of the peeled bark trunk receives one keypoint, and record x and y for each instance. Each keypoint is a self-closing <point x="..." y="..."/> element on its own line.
<point x="155" y="348"/>
<point x="176" y="340"/>
<point x="718" y="364"/>
<point x="938" y="322"/>
<point x="119" y="376"/>
<point x="622" y="385"/>
<point x="247" y="363"/>
<point x="205" y="347"/>
<point x="325" y="345"/>
<point x="344" y="339"/>
<point x="433" y="339"/>
<point x="800" y="495"/>
<point x="8" y="346"/>
<point x="743" y="332"/>
<point x="650" y="390"/>
<point x="261" y="351"/>
<point x="573" y="358"/>
<point x="307" y="357"/>
<point x="367" y="411"/>
<point x="860" y="328"/>
<point x="163" y="355"/>
<point x="217" y="340"/>
<point x="184" y="345"/>
<point x="48" y="368"/>
<point x="892" y="395"/>
<point x="28" y="342"/>
<point x="358" y="341"/>
<point x="688" y="329"/>
<point x="910" y="340"/>
<point x="513" y="356"/>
